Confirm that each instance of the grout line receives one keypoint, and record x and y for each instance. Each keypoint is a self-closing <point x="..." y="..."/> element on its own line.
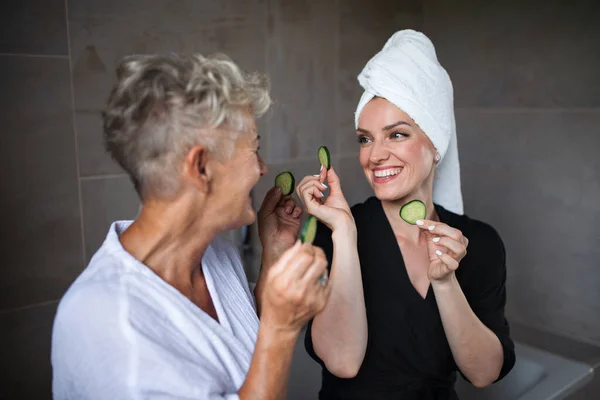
<point x="97" y="177"/>
<point x="27" y="307"/>
<point x="336" y="69"/>
<point x="513" y="110"/>
<point x="35" y="55"/>
<point x="82" y="223"/>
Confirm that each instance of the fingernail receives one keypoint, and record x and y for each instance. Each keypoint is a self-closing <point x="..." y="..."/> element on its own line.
<point x="431" y="227"/>
<point x="420" y="223"/>
<point x="321" y="168"/>
<point x="439" y="253"/>
<point x="321" y="193"/>
<point x="436" y="239"/>
<point x="278" y="190"/>
<point x="324" y="185"/>
<point x="317" y="175"/>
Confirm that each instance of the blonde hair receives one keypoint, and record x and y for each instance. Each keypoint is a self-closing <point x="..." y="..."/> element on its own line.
<point x="161" y="106"/>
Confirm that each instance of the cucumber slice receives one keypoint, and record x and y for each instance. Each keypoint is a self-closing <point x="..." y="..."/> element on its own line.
<point x="286" y="182"/>
<point x="413" y="211"/>
<point x="324" y="157"/>
<point x="309" y="231"/>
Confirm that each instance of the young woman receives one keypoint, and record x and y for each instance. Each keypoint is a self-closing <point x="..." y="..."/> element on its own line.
<point x="415" y="307"/>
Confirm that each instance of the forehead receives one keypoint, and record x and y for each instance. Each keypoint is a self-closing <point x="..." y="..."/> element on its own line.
<point x="380" y="111"/>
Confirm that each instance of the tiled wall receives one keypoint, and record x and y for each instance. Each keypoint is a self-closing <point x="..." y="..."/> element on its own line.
<point x="528" y="111"/>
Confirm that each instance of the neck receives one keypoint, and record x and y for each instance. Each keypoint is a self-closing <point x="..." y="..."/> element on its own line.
<point x="171" y="238"/>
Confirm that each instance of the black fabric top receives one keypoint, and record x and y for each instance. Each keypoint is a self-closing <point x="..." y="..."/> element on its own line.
<point x="408" y="356"/>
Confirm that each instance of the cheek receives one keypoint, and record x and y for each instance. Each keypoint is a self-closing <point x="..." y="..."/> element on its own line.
<point x="363" y="157"/>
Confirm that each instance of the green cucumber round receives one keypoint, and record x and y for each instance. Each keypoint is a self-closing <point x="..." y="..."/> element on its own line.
<point x="413" y="211"/>
<point x="324" y="157"/>
<point x="309" y="231"/>
<point x="286" y="182"/>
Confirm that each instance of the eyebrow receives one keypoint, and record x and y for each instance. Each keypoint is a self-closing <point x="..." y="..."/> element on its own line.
<point x="385" y="128"/>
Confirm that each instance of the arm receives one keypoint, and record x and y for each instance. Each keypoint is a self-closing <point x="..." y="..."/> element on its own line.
<point x="476" y="349"/>
<point x="270" y="367"/>
<point x="291" y="296"/>
<point x="472" y="326"/>
<point x="339" y="334"/>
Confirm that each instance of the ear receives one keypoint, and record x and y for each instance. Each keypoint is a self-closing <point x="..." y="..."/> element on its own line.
<point x="195" y="168"/>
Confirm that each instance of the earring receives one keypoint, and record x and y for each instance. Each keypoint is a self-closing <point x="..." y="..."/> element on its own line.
<point x="438" y="157"/>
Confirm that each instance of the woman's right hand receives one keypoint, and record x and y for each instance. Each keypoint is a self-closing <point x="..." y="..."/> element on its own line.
<point x="334" y="211"/>
<point x="293" y="291"/>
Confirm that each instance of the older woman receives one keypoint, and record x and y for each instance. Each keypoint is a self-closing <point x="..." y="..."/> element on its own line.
<point x="428" y="308"/>
<point x="163" y="310"/>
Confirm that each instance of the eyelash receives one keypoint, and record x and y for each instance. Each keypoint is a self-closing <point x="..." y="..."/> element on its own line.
<point x="362" y="139"/>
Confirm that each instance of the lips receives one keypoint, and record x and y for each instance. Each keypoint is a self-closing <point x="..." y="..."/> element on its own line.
<point x="386" y="174"/>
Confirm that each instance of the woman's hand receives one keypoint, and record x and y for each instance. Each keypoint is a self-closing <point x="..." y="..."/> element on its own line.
<point x="334" y="211"/>
<point x="447" y="247"/>
<point x="278" y="224"/>
<point x="293" y="291"/>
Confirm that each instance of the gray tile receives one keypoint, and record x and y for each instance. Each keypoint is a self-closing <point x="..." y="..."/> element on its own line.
<point x="105" y="200"/>
<point x="93" y="158"/>
<point x="25" y="340"/>
<point x="41" y="232"/>
<point x="536" y="178"/>
<point x="364" y="27"/>
<point x="301" y="63"/>
<point x="103" y="32"/>
<point x="33" y="27"/>
<point x="513" y="53"/>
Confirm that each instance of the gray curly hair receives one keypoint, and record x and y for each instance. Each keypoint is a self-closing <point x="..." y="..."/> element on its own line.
<point x="161" y="106"/>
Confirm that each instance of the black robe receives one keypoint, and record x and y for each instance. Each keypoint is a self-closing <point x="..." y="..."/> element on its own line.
<point x="408" y="356"/>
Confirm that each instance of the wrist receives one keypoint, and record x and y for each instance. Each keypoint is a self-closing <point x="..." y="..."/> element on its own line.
<point x="345" y="227"/>
<point x="446" y="283"/>
<point x="274" y="333"/>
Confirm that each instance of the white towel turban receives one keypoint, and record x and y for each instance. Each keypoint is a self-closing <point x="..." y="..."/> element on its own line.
<point x="406" y="72"/>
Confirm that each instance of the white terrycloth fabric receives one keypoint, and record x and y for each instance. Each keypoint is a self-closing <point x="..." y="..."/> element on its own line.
<point x="121" y="332"/>
<point x="407" y="73"/>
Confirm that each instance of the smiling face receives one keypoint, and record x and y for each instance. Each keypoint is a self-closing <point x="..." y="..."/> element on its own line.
<point x="237" y="175"/>
<point x="397" y="157"/>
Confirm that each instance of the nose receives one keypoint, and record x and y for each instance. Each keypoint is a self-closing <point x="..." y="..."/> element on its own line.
<point x="379" y="153"/>
<point x="262" y="165"/>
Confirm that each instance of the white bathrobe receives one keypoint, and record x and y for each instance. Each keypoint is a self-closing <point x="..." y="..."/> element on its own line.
<point x="121" y="332"/>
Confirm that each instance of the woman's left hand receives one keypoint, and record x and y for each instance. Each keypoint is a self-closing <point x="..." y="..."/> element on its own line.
<point x="447" y="247"/>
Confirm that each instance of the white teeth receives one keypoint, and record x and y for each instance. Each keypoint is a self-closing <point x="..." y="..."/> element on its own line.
<point x="386" y="172"/>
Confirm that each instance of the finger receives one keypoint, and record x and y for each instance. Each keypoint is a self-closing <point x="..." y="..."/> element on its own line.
<point x="440" y="229"/>
<point x="334" y="182"/>
<point x="286" y="257"/>
<point x="448" y="261"/>
<point x="455" y="247"/>
<point x="322" y="296"/>
<point x="299" y="264"/>
<point x="289" y="205"/>
<point x="297" y="212"/>
<point x="322" y="174"/>
<point x="271" y="200"/>
<point x="316" y="269"/>
<point x="306" y="181"/>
